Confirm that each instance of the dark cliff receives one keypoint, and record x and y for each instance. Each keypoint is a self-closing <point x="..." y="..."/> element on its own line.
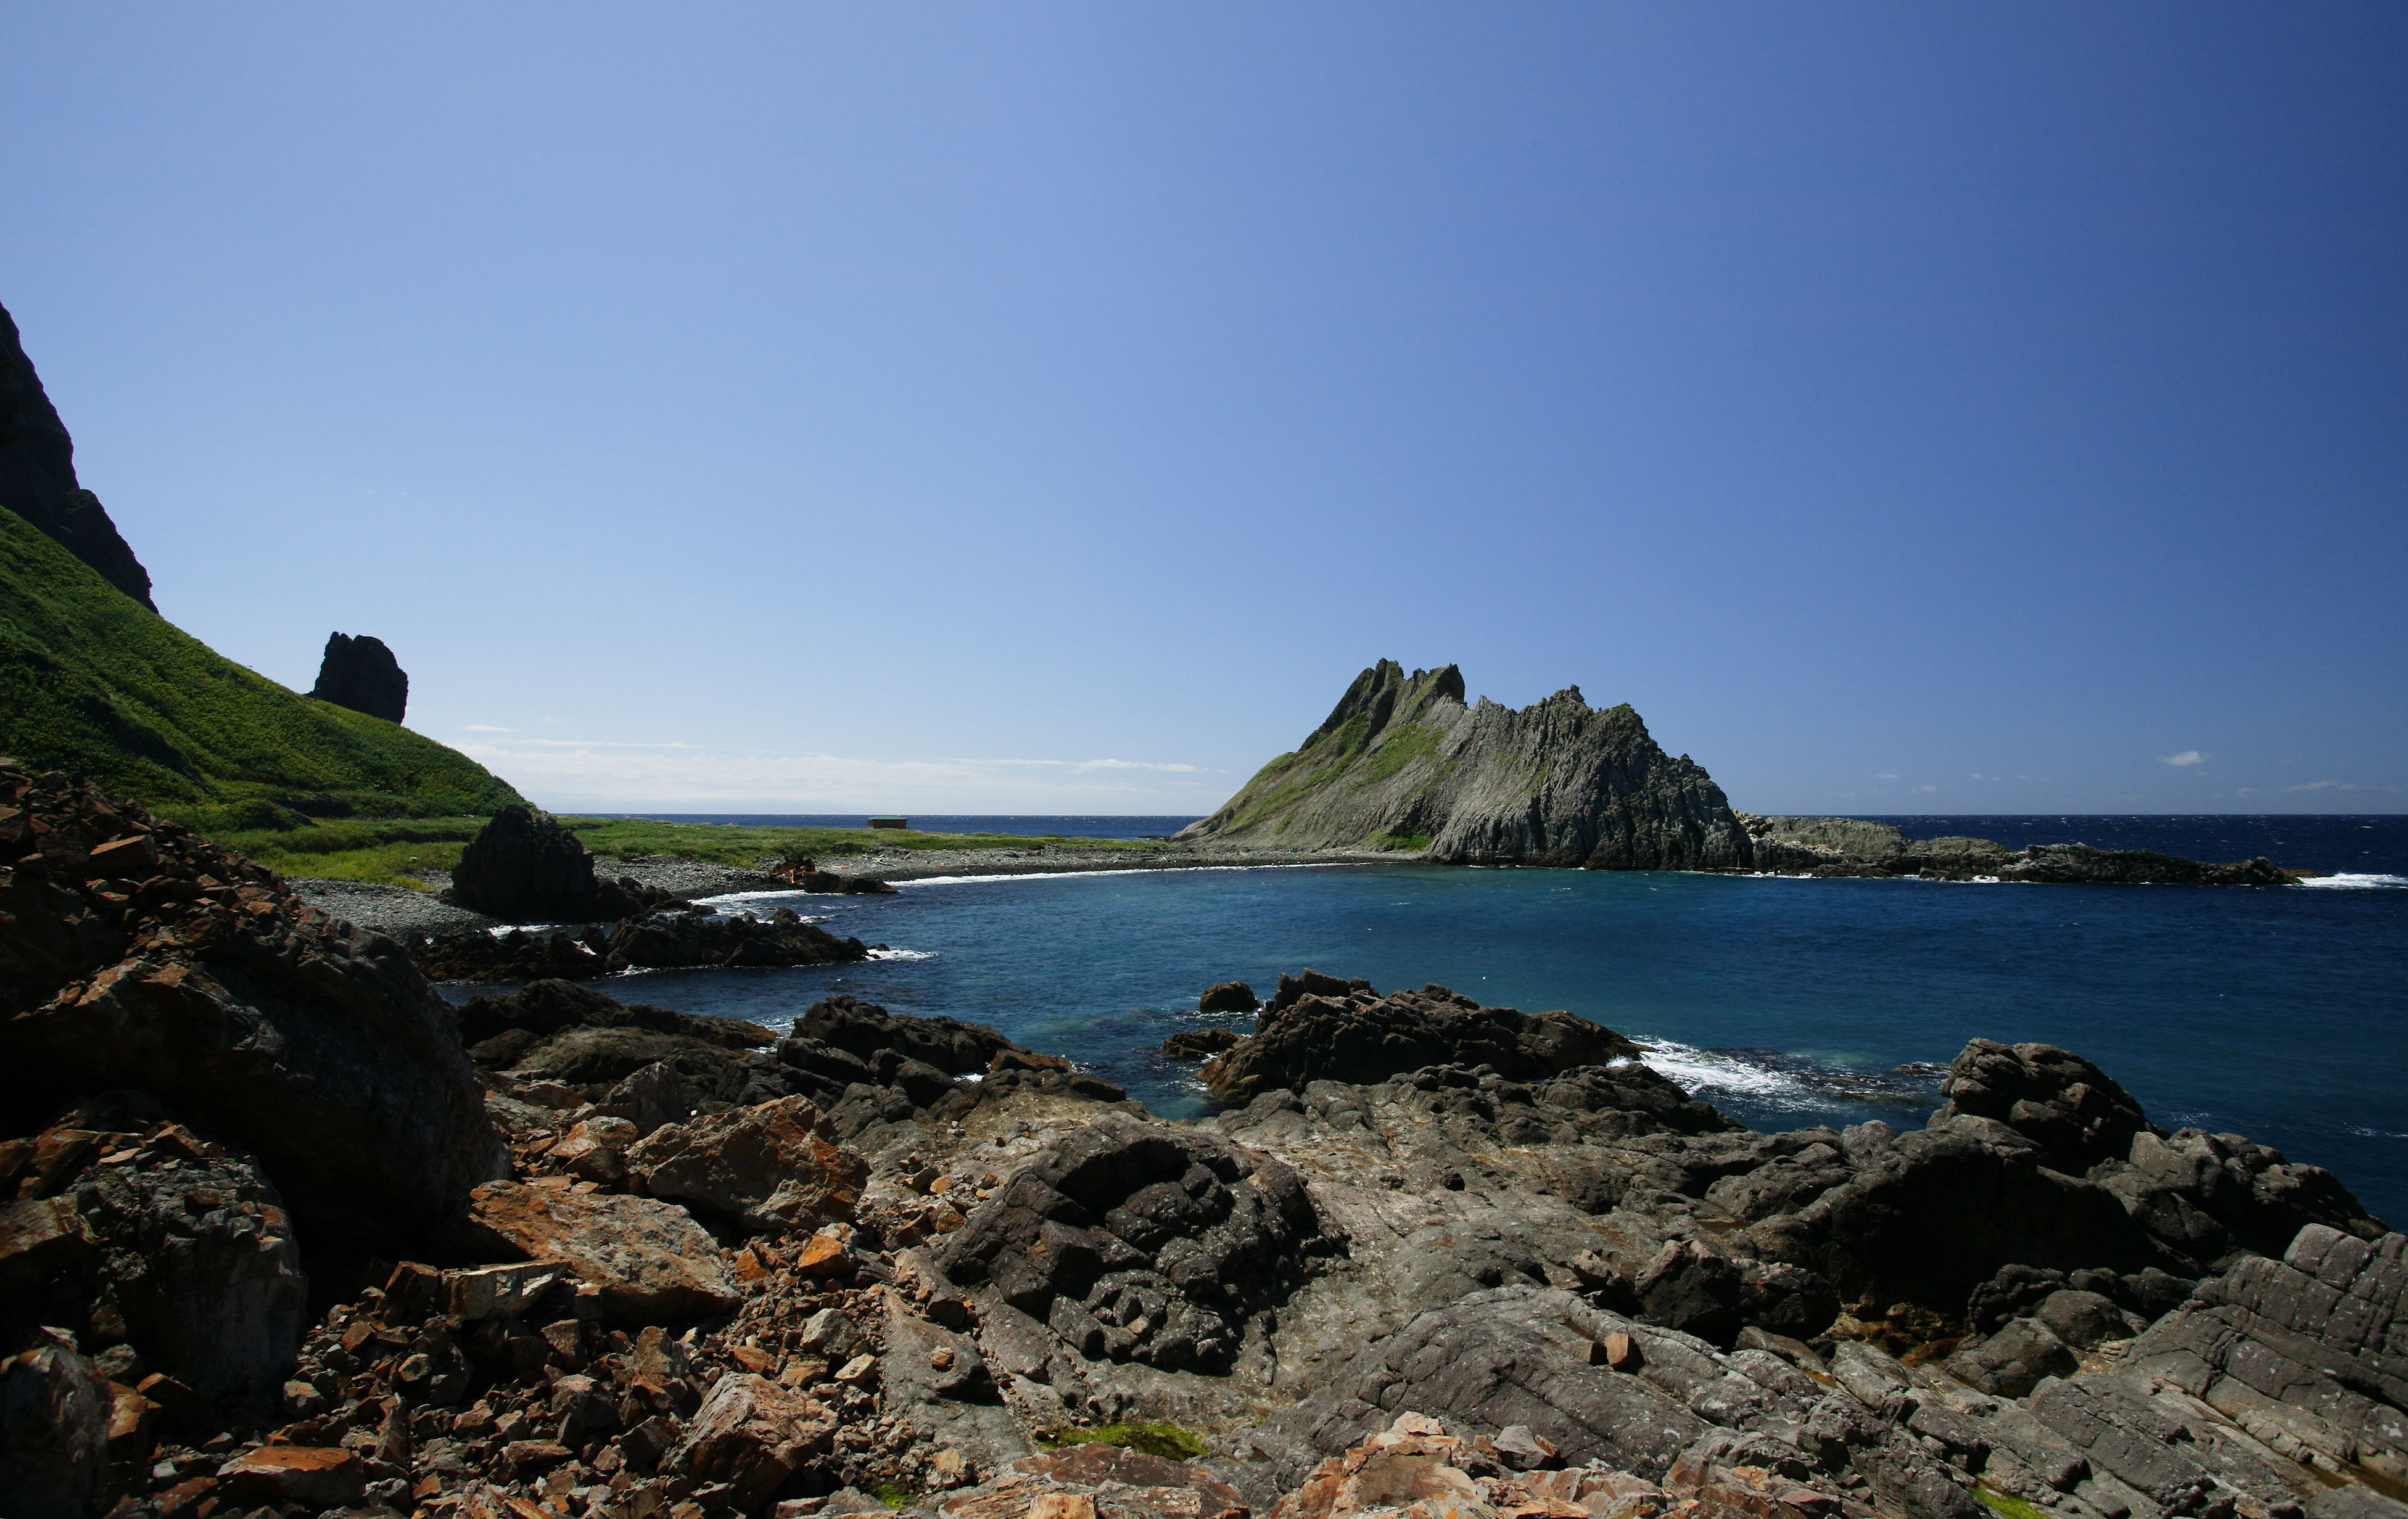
<point x="361" y="674"/>
<point x="37" y="478"/>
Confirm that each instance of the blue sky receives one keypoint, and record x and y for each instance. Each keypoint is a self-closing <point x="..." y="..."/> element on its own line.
<point x="1049" y="408"/>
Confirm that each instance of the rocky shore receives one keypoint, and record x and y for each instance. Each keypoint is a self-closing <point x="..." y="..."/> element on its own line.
<point x="284" y="1233"/>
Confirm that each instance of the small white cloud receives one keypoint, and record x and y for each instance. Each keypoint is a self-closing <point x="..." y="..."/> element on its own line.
<point x="1926" y="788"/>
<point x="2184" y="760"/>
<point x="2324" y="786"/>
<point x="486" y="727"/>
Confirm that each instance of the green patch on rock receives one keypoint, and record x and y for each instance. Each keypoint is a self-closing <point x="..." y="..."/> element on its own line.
<point x="1167" y="1440"/>
<point x="2005" y="1507"/>
<point x="1410" y="843"/>
<point x="893" y="1496"/>
<point x="1403" y="746"/>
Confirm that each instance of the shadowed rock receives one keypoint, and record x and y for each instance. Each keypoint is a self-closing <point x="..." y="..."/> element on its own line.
<point x="361" y="674"/>
<point x="37" y="478"/>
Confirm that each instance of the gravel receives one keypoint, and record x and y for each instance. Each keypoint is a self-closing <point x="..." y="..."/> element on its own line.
<point x="404" y="909"/>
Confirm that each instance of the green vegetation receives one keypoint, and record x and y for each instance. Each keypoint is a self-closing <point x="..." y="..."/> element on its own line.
<point x="93" y="682"/>
<point x="2005" y="1507"/>
<point x="1167" y="1440"/>
<point x="1404" y="746"/>
<point x="729" y="844"/>
<point x="893" y="1496"/>
<point x="1385" y="840"/>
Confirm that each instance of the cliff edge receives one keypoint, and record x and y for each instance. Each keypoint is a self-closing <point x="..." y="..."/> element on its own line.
<point x="1403" y="762"/>
<point x="37" y="478"/>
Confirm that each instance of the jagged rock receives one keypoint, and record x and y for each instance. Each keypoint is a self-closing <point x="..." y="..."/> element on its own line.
<point x="361" y="674"/>
<point x="1402" y="762"/>
<point x="562" y="1031"/>
<point x="204" y="981"/>
<point x="54" y="1415"/>
<point x="476" y="954"/>
<point x="1227" y="996"/>
<point x="1358" y="1037"/>
<point x="1139" y="1244"/>
<point x="751" y="1435"/>
<point x="2037" y="1160"/>
<point x="672" y="937"/>
<point x="652" y="1096"/>
<point x="321" y="1477"/>
<point x="183" y="1254"/>
<point x="37" y="478"/>
<point x="775" y="1166"/>
<point x="1689" y="1288"/>
<point x="864" y="1029"/>
<point x="1200" y="1043"/>
<point x="523" y="866"/>
<point x="652" y="1262"/>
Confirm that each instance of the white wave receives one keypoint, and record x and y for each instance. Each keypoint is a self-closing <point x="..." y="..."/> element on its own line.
<point x="902" y="955"/>
<point x="2347" y="880"/>
<point x="1699" y="1071"/>
<point x="750" y="896"/>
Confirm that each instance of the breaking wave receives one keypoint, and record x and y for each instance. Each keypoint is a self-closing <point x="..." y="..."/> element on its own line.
<point x="1775" y="1079"/>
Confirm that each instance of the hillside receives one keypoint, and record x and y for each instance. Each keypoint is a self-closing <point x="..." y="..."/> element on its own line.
<point x="1403" y="762"/>
<point x="93" y="682"/>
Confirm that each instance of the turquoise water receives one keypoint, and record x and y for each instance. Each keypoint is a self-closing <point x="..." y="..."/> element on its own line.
<point x="2281" y="1013"/>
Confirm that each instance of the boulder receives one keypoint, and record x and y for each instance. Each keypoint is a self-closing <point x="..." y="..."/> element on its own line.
<point x="524" y="866"/>
<point x="864" y="1029"/>
<point x="188" y="1257"/>
<point x="2011" y="1363"/>
<point x="361" y="674"/>
<point x="1200" y="1043"/>
<point x="1227" y="996"/>
<point x="475" y="954"/>
<point x="750" y="1434"/>
<point x="2058" y="1101"/>
<point x="770" y="1167"/>
<point x="1688" y="1287"/>
<point x="55" y="1417"/>
<point x="652" y="1262"/>
<point x="1358" y="1037"/>
<point x="651" y="1097"/>
<point x="683" y="936"/>
<point x="1139" y="1244"/>
<point x="317" y="1476"/>
<point x="134" y="956"/>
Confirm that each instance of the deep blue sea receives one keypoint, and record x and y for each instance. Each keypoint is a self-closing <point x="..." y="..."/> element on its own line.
<point x="2277" y="1012"/>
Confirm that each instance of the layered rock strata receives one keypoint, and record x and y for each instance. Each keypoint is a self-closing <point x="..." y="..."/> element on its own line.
<point x="1401" y="762"/>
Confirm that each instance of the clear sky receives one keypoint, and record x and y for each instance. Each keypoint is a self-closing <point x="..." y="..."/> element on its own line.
<point x="1051" y="408"/>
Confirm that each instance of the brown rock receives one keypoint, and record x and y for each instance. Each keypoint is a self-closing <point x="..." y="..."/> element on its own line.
<point x="827" y="1254"/>
<point x="1228" y="996"/>
<point x="752" y="1434"/>
<point x="595" y="1148"/>
<point x="131" y="1421"/>
<point x="54" y="1422"/>
<point x="38" y="1238"/>
<point x="1617" y="1351"/>
<point x="773" y="1167"/>
<point x="1199" y="1043"/>
<point x="321" y="1476"/>
<point x="651" y="1261"/>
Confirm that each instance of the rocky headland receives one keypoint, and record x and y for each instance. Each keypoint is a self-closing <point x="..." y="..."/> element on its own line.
<point x="284" y="1233"/>
<point x="1401" y="765"/>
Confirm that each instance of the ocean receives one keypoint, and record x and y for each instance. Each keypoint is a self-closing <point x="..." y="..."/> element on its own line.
<point x="2280" y="1013"/>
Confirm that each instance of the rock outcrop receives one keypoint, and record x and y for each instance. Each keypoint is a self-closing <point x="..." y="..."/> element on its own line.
<point x="133" y="955"/>
<point x="361" y="673"/>
<point x="523" y="866"/>
<point x="1402" y="763"/>
<point x="1856" y="847"/>
<point x="37" y="478"/>
<point x="1339" y="1033"/>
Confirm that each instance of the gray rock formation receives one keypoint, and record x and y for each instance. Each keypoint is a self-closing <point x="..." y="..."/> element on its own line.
<point x="361" y="674"/>
<point x="37" y="478"/>
<point x="1858" y="847"/>
<point x="1403" y="762"/>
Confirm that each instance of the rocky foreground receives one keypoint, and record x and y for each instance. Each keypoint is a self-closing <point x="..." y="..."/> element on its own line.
<point x="285" y="1233"/>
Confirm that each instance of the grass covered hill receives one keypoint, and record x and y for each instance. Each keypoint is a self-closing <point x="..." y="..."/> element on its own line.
<point x="93" y="682"/>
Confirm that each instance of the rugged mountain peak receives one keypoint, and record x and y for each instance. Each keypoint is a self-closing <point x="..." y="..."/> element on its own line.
<point x="361" y="674"/>
<point x="37" y="478"/>
<point x="1403" y="762"/>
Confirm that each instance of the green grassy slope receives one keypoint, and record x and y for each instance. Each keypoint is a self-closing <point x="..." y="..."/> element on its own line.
<point x="91" y="682"/>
